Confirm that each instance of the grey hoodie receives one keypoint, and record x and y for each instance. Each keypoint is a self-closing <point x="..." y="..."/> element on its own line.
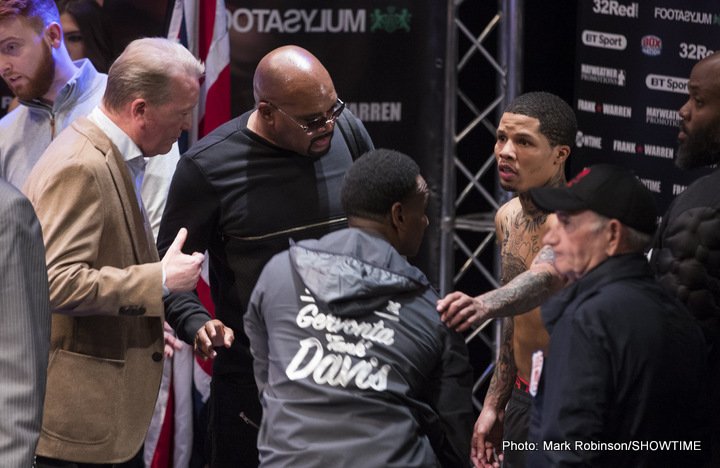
<point x="354" y="366"/>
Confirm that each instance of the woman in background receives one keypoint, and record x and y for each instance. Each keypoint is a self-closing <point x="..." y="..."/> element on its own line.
<point x="85" y="31"/>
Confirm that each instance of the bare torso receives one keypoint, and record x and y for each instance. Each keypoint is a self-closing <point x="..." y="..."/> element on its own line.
<point x="520" y="235"/>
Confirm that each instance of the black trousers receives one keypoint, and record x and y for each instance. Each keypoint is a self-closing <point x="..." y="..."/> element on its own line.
<point x="515" y="427"/>
<point x="134" y="462"/>
<point x="235" y="414"/>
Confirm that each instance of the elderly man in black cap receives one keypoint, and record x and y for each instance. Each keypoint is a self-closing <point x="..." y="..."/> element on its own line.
<point x="625" y="359"/>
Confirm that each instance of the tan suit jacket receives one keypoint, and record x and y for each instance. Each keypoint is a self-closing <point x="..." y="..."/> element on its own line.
<point x="106" y="296"/>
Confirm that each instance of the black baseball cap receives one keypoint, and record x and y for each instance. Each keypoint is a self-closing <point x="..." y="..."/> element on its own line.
<point x="608" y="190"/>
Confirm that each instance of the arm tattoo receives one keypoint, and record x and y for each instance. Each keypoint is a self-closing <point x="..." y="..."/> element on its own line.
<point x="525" y="291"/>
<point x="503" y="378"/>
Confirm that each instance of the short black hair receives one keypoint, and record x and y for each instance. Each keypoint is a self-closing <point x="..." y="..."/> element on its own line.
<point x="92" y="22"/>
<point x="557" y="119"/>
<point x="377" y="180"/>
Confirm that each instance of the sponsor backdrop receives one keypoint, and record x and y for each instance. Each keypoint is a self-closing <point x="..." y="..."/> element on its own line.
<point x="633" y="64"/>
<point x="387" y="62"/>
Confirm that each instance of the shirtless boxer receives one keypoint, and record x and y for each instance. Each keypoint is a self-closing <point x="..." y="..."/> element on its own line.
<point x="534" y="139"/>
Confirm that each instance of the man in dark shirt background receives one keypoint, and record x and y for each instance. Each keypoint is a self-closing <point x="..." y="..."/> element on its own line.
<point x="267" y="176"/>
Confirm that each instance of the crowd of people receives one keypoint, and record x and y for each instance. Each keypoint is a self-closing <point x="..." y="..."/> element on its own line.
<point x="329" y="348"/>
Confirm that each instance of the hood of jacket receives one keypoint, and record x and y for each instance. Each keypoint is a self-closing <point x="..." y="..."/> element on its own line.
<point x="352" y="272"/>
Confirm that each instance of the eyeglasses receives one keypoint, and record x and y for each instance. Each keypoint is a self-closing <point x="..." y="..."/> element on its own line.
<point x="319" y="123"/>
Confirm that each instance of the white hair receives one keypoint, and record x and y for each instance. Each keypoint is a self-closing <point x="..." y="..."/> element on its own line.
<point x="145" y="69"/>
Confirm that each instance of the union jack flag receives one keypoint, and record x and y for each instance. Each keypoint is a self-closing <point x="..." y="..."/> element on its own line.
<point x="175" y="437"/>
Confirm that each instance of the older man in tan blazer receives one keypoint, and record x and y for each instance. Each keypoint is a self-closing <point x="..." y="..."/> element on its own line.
<point x="106" y="280"/>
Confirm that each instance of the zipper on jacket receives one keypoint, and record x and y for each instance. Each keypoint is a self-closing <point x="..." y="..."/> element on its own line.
<point x="37" y="104"/>
<point x="328" y="223"/>
<point x="248" y="421"/>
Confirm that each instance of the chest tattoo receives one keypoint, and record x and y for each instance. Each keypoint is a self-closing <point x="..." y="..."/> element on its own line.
<point x="522" y="240"/>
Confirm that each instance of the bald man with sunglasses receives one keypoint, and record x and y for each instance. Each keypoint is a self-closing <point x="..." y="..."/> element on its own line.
<point x="268" y="176"/>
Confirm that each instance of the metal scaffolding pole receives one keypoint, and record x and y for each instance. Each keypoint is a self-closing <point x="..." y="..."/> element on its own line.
<point x="471" y="194"/>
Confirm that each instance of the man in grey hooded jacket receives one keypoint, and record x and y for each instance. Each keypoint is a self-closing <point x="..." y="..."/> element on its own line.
<point x="353" y="364"/>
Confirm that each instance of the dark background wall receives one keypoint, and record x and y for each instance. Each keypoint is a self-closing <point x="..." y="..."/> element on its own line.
<point x="549" y="47"/>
